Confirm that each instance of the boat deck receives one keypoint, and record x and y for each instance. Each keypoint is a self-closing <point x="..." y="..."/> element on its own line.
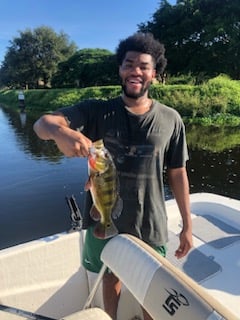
<point x="214" y="261"/>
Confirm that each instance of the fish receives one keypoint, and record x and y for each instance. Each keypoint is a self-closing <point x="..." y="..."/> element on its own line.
<point x="103" y="185"/>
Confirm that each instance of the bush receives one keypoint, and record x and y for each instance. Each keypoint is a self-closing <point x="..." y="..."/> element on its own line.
<point x="227" y="90"/>
<point x="181" y="79"/>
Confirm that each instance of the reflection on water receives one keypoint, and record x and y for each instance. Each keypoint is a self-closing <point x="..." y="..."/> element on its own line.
<point x="23" y="118"/>
<point x="36" y="177"/>
<point x="214" y="164"/>
<point x="213" y="139"/>
<point x="34" y="181"/>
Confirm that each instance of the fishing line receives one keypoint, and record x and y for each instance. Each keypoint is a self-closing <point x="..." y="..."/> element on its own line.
<point x="24" y="313"/>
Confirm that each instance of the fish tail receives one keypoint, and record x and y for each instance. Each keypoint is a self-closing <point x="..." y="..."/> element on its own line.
<point x="104" y="232"/>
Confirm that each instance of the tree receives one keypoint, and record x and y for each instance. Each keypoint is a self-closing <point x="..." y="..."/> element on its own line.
<point x="34" y="56"/>
<point x="200" y="36"/>
<point x="87" y="67"/>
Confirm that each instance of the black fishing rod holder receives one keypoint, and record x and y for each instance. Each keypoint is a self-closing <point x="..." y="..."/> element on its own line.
<point x="75" y="213"/>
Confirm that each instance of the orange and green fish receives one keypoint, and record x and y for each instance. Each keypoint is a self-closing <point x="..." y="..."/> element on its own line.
<point x="103" y="185"/>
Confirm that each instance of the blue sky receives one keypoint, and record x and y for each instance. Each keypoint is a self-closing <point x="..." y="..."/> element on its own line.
<point x="89" y="23"/>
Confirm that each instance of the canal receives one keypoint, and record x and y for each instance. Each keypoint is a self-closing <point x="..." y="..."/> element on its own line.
<point x="35" y="177"/>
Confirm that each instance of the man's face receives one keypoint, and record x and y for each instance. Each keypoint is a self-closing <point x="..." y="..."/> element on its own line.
<point x="137" y="72"/>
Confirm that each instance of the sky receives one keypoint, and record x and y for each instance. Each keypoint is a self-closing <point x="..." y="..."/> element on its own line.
<point x="88" y="23"/>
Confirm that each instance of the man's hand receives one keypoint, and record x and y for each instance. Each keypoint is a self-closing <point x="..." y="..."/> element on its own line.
<point x="70" y="142"/>
<point x="186" y="244"/>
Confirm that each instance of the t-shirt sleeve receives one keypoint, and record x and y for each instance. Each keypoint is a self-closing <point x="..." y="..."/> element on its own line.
<point x="86" y="117"/>
<point x="76" y="115"/>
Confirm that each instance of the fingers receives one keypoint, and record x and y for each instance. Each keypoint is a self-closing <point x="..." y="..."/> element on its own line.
<point x="183" y="249"/>
<point x="81" y="145"/>
<point x="186" y="243"/>
<point x="84" y="149"/>
<point x="180" y="253"/>
<point x="73" y="148"/>
<point x="81" y="151"/>
<point x="72" y="143"/>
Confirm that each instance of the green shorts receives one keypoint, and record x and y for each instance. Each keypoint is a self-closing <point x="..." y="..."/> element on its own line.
<point x="93" y="248"/>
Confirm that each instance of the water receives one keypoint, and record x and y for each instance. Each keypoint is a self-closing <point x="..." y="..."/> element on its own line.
<point x="34" y="181"/>
<point x="35" y="178"/>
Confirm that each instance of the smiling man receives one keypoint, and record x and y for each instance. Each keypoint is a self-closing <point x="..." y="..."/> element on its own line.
<point x="143" y="137"/>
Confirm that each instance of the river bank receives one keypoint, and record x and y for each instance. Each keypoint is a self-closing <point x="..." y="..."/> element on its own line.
<point x="216" y="102"/>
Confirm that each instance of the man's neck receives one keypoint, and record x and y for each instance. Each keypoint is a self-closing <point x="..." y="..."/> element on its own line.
<point x="137" y="106"/>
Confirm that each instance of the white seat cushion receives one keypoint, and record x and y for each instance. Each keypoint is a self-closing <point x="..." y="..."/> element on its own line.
<point x="158" y="286"/>
<point x="89" y="314"/>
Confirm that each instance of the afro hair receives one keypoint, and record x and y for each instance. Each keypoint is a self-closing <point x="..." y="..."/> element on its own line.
<point x="144" y="43"/>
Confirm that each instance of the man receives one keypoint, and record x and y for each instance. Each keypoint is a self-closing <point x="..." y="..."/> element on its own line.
<point x="143" y="137"/>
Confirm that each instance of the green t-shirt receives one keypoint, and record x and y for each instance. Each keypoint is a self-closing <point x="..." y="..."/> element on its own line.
<point x="141" y="147"/>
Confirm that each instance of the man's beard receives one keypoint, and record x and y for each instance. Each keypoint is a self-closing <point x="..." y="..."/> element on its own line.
<point x="136" y="95"/>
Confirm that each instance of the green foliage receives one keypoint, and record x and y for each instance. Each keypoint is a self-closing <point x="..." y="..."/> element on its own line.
<point x="34" y="56"/>
<point x="180" y="97"/>
<point x="47" y="100"/>
<point x="182" y="79"/>
<point x="72" y="96"/>
<point x="200" y="36"/>
<point x="216" y="102"/>
<point x="227" y="91"/>
<point x="86" y="68"/>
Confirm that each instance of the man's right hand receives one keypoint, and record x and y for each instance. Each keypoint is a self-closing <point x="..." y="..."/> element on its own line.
<point x="70" y="142"/>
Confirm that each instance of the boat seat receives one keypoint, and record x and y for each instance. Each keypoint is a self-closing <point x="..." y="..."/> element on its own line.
<point x="163" y="290"/>
<point x="89" y="314"/>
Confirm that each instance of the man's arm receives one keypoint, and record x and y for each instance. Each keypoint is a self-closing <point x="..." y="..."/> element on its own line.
<point x="179" y="184"/>
<point x="70" y="142"/>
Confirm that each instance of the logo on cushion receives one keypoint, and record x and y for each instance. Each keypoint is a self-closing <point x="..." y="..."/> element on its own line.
<point x="174" y="301"/>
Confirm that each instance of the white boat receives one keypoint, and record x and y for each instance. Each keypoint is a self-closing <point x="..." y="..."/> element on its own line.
<point x="44" y="279"/>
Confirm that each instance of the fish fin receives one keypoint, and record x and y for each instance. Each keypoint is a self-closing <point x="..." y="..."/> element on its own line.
<point x="104" y="232"/>
<point x="88" y="184"/>
<point x="117" y="210"/>
<point x="95" y="214"/>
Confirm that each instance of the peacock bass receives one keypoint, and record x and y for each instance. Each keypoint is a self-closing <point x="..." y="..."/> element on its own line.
<point x="103" y="185"/>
